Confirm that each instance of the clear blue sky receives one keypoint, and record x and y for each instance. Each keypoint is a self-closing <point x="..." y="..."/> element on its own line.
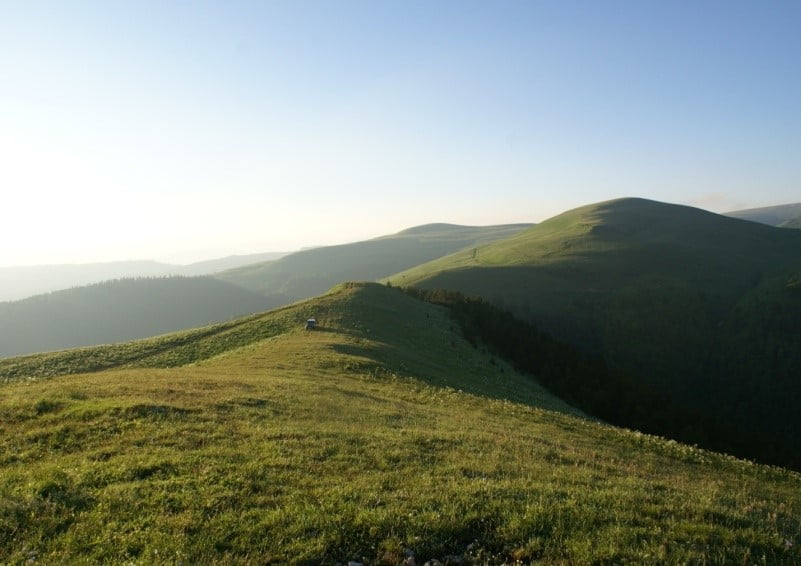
<point x="183" y="130"/>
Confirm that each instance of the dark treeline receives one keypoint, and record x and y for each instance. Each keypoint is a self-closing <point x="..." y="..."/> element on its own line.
<point x="737" y="408"/>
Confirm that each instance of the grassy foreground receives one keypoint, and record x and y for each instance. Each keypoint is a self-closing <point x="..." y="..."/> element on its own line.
<point x="381" y="432"/>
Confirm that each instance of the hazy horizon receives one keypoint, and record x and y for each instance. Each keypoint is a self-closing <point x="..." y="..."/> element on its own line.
<point x="181" y="132"/>
<point x="189" y="257"/>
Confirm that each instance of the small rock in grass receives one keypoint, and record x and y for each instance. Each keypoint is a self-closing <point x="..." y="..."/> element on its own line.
<point x="390" y="558"/>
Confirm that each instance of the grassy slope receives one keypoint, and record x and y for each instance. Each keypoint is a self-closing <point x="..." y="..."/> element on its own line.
<point x="119" y="310"/>
<point x="339" y="444"/>
<point x="700" y="305"/>
<point x="310" y="272"/>
<point x="400" y="334"/>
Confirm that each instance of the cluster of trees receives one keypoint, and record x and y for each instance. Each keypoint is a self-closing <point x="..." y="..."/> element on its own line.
<point x="738" y="399"/>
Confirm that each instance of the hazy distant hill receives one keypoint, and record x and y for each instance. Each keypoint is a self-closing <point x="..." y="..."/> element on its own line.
<point x="791" y="223"/>
<point x="703" y="308"/>
<point x="26" y="281"/>
<point x="118" y="310"/>
<point x="211" y="266"/>
<point x="784" y="215"/>
<point x="310" y="272"/>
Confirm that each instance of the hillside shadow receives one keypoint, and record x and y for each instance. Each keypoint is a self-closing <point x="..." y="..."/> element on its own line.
<point x="390" y="362"/>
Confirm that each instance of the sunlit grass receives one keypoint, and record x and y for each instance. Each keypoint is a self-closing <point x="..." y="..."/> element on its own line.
<point x="354" y="443"/>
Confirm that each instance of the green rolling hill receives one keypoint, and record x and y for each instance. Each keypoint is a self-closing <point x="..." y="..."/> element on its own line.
<point x="119" y="310"/>
<point x="381" y="434"/>
<point x="308" y="273"/>
<point x="703" y="309"/>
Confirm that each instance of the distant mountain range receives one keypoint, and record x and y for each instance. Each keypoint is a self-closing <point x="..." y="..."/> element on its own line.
<point x="25" y="281"/>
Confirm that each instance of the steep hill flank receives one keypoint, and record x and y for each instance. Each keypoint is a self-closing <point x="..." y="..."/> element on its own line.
<point x="287" y="446"/>
<point x="699" y="306"/>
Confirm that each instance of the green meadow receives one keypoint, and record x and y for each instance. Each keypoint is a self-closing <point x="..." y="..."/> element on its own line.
<point x="381" y="433"/>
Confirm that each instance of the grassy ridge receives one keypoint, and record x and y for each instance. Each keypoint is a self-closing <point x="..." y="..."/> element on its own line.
<point x="354" y="442"/>
<point x="591" y="272"/>
<point x="676" y="296"/>
<point x="618" y="239"/>
<point x="415" y="344"/>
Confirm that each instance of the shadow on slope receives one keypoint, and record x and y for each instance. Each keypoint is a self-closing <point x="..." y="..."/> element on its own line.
<point x="406" y="337"/>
